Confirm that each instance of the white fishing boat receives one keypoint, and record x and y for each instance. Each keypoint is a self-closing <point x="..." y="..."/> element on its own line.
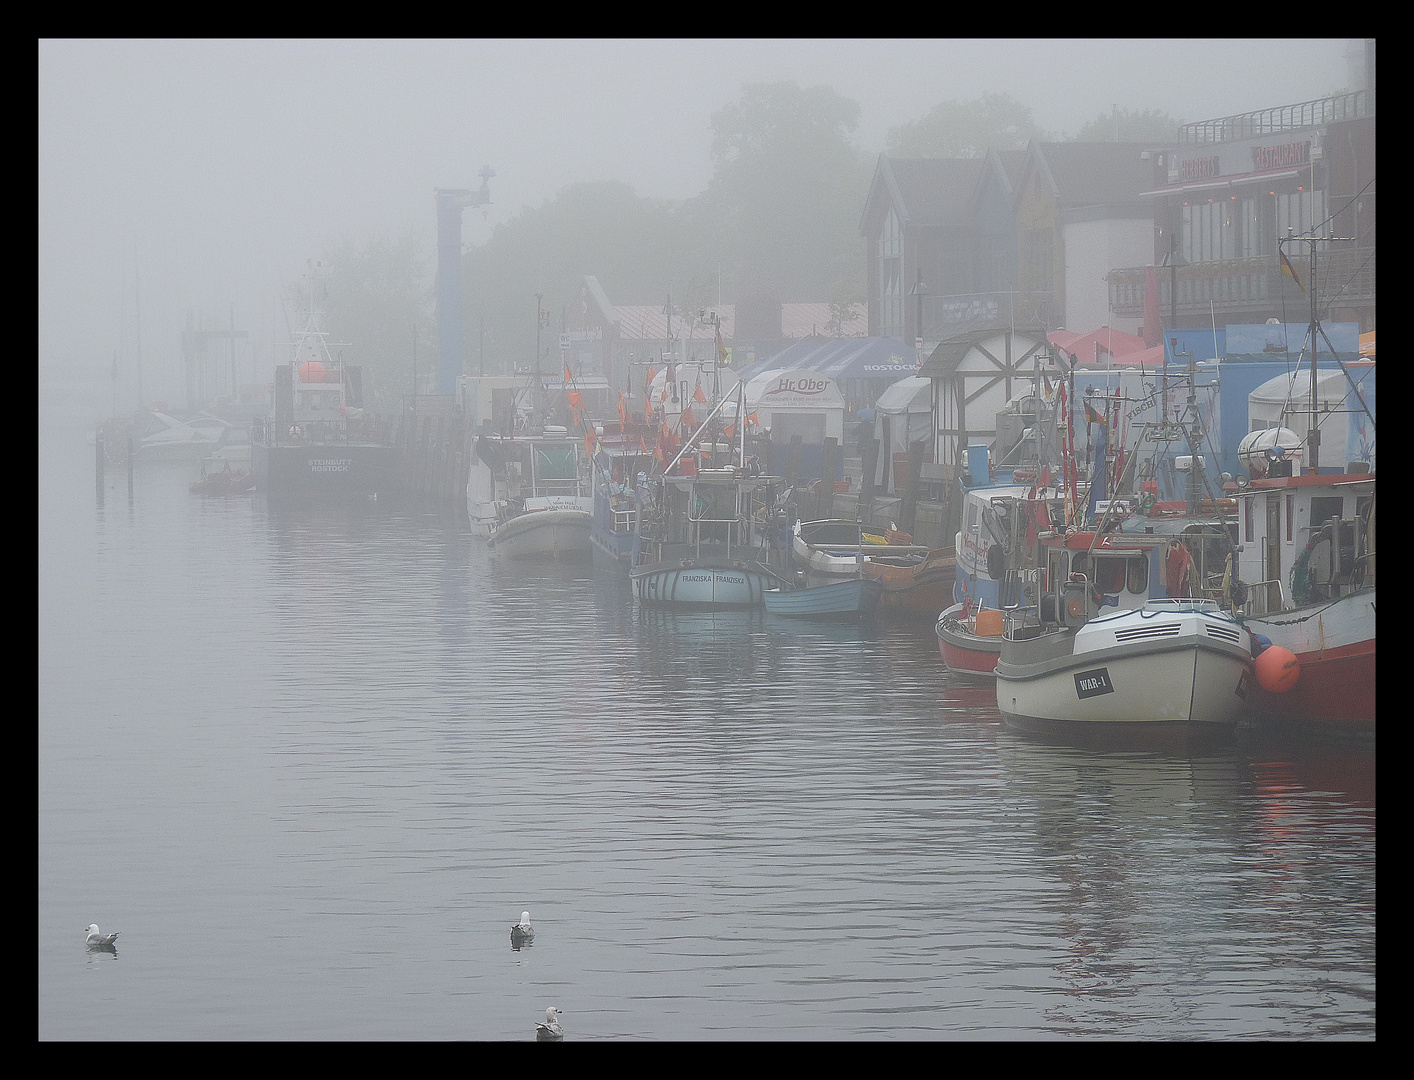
<point x="529" y="496"/>
<point x="1170" y="662"/>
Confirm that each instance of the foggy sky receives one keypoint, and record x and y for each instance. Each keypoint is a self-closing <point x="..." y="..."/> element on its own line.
<point x="211" y="171"/>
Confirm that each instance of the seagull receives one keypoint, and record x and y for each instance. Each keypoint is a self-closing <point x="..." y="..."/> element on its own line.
<point x="549" y="1031"/>
<point x="522" y="933"/>
<point x="97" y="939"/>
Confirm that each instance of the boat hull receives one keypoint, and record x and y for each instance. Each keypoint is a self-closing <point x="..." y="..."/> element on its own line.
<point x="699" y="587"/>
<point x="964" y="652"/>
<point x="547" y="535"/>
<point x="334" y="471"/>
<point x="837" y="600"/>
<point x="915" y="591"/>
<point x="1188" y="685"/>
<point x="1335" y="645"/>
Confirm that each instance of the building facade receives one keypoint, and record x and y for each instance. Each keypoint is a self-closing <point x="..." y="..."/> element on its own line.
<point x="1239" y="191"/>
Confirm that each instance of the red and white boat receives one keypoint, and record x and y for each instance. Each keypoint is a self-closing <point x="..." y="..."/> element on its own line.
<point x="970" y="641"/>
<point x="1308" y="563"/>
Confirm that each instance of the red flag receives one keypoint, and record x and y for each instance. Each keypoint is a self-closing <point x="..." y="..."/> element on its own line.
<point x="576" y="399"/>
<point x="568" y="377"/>
<point x="698" y="395"/>
<point x="751" y="419"/>
<point x="730" y="430"/>
<point x="687" y="417"/>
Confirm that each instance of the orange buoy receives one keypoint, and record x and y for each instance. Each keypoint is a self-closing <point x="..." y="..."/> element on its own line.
<point x="311" y="371"/>
<point x="1277" y="669"/>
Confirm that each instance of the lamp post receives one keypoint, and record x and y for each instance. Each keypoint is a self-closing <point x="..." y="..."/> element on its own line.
<point x="918" y="292"/>
<point x="1173" y="260"/>
<point x="712" y="319"/>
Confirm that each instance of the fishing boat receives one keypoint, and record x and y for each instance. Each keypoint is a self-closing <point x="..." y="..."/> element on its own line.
<point x="1174" y="662"/>
<point x="620" y="468"/>
<point x="835" y="599"/>
<point x="318" y="443"/>
<point x="1307" y="567"/>
<point x="529" y="495"/>
<point x="694" y="549"/>
<point x="969" y="640"/>
<point x="1307" y="562"/>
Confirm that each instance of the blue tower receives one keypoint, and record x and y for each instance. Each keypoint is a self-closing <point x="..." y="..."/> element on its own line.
<point x="450" y="204"/>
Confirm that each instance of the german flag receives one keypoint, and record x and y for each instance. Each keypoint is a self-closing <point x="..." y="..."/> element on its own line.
<point x="1094" y="415"/>
<point x="1289" y="270"/>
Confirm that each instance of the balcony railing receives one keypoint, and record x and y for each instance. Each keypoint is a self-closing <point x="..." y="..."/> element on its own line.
<point x="1306" y="114"/>
<point x="1347" y="277"/>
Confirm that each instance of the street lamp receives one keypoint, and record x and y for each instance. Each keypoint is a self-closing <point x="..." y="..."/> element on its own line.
<point x="918" y="291"/>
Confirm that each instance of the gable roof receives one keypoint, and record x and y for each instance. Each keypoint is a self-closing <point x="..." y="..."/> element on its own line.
<point x="924" y="191"/>
<point x="1089" y="173"/>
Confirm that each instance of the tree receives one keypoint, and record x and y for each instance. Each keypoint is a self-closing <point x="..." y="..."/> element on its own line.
<point x="783" y="205"/>
<point x="1121" y="125"/>
<point x="634" y="246"/>
<point x="966" y="129"/>
<point x="375" y="300"/>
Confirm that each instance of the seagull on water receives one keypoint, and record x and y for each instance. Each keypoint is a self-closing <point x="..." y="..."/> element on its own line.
<point x="549" y="1031"/>
<point x="522" y="933"/>
<point x="97" y="938"/>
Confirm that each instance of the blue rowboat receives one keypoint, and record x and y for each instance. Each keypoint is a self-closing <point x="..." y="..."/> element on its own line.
<point x="855" y="598"/>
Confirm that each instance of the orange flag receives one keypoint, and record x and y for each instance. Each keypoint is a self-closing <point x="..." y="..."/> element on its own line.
<point x="698" y="395"/>
<point x="568" y="377"/>
<point x="730" y="431"/>
<point x="751" y="419"/>
<point x="687" y="417"/>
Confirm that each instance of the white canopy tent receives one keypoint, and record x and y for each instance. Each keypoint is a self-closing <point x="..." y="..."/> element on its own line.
<point x="903" y="414"/>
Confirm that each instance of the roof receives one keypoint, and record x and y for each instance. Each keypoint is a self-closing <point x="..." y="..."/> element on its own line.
<point x="924" y="191"/>
<point x="1092" y="173"/>
<point x="1098" y="345"/>
<point x="911" y="394"/>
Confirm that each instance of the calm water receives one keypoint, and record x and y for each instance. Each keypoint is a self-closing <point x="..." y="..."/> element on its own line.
<point x="312" y="768"/>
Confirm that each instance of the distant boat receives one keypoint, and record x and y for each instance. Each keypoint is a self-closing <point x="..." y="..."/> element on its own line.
<point x="317" y="444"/>
<point x="529" y="495"/>
<point x="188" y="440"/>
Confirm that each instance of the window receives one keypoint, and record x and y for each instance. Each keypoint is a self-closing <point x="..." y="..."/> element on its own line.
<point x="1110" y="574"/>
<point x="890" y="255"/>
<point x="1139" y="572"/>
<point x="1298" y="211"/>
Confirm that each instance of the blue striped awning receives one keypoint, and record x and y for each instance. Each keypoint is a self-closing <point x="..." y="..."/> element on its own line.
<point x="843" y="358"/>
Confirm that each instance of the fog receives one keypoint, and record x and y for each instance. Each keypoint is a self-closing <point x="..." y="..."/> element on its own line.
<point x="200" y="177"/>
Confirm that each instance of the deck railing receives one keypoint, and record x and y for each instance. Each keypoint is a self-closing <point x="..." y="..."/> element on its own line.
<point x="361" y="430"/>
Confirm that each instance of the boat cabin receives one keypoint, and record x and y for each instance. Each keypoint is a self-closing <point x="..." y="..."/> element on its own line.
<point x="1305" y="539"/>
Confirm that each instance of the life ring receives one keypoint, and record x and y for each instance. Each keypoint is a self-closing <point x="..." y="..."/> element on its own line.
<point x="1147" y="502"/>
